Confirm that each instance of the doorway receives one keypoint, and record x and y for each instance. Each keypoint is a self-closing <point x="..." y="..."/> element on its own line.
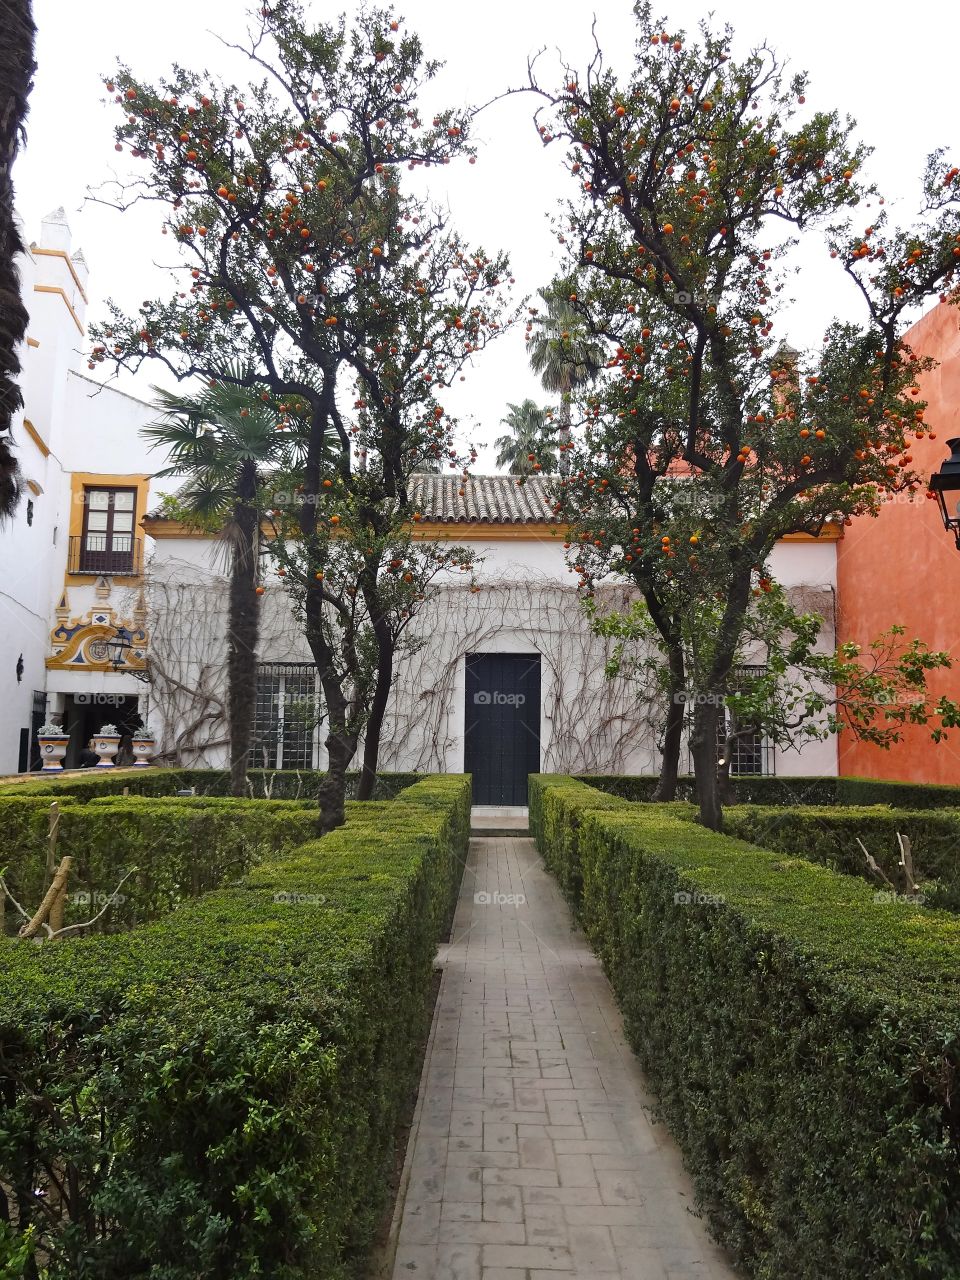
<point x="86" y="713"/>
<point x="502" y="725"/>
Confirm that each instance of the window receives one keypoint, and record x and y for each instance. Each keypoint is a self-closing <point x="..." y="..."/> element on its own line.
<point x="285" y="716"/>
<point x="108" y="543"/>
<point x="750" y="751"/>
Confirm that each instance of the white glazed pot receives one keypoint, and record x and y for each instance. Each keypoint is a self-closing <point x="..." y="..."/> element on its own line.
<point x="106" y="748"/>
<point x="52" y="751"/>
<point x="143" y="751"/>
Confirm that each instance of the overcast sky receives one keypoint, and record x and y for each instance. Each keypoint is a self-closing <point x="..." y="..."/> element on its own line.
<point x="892" y="68"/>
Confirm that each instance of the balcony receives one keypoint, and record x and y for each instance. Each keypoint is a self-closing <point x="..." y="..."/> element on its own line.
<point x="92" y="553"/>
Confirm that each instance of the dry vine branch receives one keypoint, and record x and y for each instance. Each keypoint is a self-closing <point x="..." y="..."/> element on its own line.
<point x="906" y="863"/>
<point x="32" y="927"/>
<point x="873" y="866"/>
<point x="595" y="724"/>
<point x="57" y="893"/>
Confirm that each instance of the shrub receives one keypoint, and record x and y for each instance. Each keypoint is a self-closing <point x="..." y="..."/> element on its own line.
<point x="793" y="791"/>
<point x="803" y="1039"/>
<point x="219" y="1091"/>
<point x="745" y="789"/>
<point x="277" y="784"/>
<point x="902" y="795"/>
<point x="829" y="836"/>
<point x="181" y="848"/>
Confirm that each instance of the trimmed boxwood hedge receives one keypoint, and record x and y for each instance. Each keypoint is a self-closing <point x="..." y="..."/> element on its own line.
<point x="746" y="789"/>
<point x="281" y="784"/>
<point x="181" y="848"/>
<point x="902" y="795"/>
<point x="793" y="791"/>
<point x="804" y="1040"/>
<point x="829" y="836"/>
<point x="219" y="1091"/>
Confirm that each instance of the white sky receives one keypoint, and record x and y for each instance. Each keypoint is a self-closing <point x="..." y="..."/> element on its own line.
<point x="892" y="68"/>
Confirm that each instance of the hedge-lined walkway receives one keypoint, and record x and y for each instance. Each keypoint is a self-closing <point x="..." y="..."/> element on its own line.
<point x="531" y="1154"/>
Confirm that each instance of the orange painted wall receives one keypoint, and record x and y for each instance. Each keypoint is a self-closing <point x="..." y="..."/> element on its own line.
<point x="903" y="567"/>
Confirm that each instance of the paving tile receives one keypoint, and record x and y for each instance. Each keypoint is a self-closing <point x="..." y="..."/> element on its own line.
<point x="527" y="1255"/>
<point x="481" y="1233"/>
<point x="459" y="1211"/>
<point x="520" y="1177"/>
<point x="533" y="1155"/>
<point x="576" y="1171"/>
<point x="593" y="1251"/>
<point x="502" y="1204"/>
<point x="421" y="1222"/>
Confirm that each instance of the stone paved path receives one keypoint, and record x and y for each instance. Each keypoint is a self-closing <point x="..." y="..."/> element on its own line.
<point x="531" y="1157"/>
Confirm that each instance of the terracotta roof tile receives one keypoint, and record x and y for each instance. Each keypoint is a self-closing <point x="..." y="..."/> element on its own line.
<point x="487" y="499"/>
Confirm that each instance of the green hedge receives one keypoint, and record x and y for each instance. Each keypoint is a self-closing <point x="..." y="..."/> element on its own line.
<point x="803" y="1039"/>
<point x="830" y="836"/>
<point x="746" y="789"/>
<point x="793" y="791"/>
<point x="181" y="848"/>
<point x="901" y="795"/>
<point x="220" y="1091"/>
<point x="277" y="784"/>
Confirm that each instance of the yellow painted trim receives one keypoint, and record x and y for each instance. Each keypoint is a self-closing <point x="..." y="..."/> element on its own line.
<point x="32" y="342"/>
<point x="34" y="488"/>
<point x="470" y="530"/>
<point x="60" y="253"/>
<point x="51" y="288"/>
<point x="172" y="529"/>
<point x="94" y="631"/>
<point x="90" y="579"/>
<point x="36" y="437"/>
<point x="829" y="533"/>
<point x="79" y="480"/>
<point x="475" y="530"/>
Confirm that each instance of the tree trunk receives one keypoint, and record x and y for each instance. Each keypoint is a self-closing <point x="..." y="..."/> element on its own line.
<point x="381" y="693"/>
<point x="331" y="794"/>
<point x="341" y="742"/>
<point x="673" y="734"/>
<point x="244" y="628"/>
<point x="16" y="80"/>
<point x="374" y="726"/>
<point x="703" y="746"/>
<point x="724" y="789"/>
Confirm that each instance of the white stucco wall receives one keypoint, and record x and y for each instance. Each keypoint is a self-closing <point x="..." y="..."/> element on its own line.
<point x="81" y="428"/>
<point x="527" y="605"/>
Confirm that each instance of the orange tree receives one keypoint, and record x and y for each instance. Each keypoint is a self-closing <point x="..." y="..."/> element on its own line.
<point x="350" y="302"/>
<point x="708" y="439"/>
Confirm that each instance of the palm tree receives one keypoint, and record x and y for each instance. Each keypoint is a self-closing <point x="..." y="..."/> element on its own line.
<point x="224" y="440"/>
<point x="563" y="354"/>
<point x="16" y="80"/>
<point x="528" y="433"/>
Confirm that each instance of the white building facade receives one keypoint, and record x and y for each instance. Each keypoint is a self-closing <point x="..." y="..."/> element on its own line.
<point x="73" y="553"/>
<point x="502" y="682"/>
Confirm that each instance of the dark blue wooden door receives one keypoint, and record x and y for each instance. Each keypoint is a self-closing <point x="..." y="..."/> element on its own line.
<point x="502" y="737"/>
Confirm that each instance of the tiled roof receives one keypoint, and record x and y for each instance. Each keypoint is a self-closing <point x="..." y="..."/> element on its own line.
<point x="486" y="499"/>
